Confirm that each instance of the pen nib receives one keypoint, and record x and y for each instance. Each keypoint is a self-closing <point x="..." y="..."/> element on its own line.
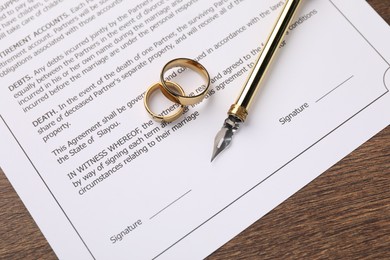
<point x="225" y="135"/>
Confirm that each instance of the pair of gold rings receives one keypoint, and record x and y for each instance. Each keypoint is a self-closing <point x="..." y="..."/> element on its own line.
<point x="174" y="92"/>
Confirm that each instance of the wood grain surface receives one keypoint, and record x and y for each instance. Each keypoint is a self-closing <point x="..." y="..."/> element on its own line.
<point x="343" y="214"/>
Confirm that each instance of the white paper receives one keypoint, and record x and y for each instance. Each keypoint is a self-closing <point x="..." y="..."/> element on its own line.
<point x="327" y="93"/>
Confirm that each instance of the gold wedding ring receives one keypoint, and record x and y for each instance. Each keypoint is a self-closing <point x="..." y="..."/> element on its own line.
<point x="172" y="87"/>
<point x="180" y="97"/>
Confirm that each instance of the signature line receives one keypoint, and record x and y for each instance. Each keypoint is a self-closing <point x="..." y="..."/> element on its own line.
<point x="335" y="88"/>
<point x="170" y="204"/>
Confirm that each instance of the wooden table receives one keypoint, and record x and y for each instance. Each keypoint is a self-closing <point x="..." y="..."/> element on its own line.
<point x="343" y="214"/>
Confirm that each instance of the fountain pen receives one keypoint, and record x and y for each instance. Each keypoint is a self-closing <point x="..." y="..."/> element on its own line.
<point x="238" y="112"/>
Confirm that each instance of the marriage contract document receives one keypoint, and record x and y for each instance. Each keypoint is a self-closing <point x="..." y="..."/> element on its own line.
<point x="104" y="181"/>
